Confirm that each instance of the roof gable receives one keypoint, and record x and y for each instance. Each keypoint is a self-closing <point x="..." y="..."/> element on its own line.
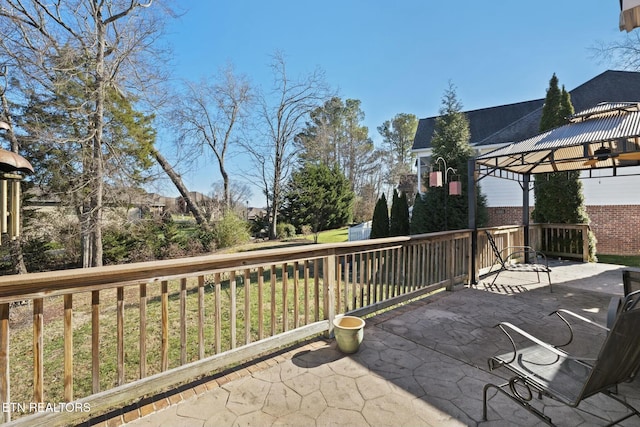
<point x="516" y="122"/>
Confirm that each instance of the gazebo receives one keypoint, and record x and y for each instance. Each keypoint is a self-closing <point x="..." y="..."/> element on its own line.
<point x="605" y="137"/>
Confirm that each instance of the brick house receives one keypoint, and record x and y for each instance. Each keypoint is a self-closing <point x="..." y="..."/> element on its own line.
<point x="613" y="203"/>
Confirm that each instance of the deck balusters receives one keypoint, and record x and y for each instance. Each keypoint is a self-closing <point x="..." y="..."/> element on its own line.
<point x="38" y="350"/>
<point x="68" y="348"/>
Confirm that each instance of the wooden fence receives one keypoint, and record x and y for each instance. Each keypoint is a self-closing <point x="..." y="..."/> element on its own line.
<point x="93" y="340"/>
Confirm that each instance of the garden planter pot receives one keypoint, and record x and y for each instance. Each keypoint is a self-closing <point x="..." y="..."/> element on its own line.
<point x="349" y="331"/>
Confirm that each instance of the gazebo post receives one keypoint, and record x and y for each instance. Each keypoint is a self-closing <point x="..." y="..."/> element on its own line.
<point x="473" y="226"/>
<point x="525" y="213"/>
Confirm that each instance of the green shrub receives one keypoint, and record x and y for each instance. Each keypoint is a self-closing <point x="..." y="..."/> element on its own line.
<point x="231" y="230"/>
<point x="285" y="231"/>
<point x="117" y="244"/>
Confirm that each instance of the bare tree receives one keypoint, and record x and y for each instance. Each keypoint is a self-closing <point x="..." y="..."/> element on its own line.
<point x="282" y="115"/>
<point x="208" y="115"/>
<point x="623" y="53"/>
<point x="239" y="193"/>
<point x="88" y="50"/>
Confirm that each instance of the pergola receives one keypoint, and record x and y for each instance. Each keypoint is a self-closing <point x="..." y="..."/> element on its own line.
<point x="606" y="136"/>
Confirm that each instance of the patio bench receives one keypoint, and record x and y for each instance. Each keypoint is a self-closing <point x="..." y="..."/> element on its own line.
<point x="550" y="371"/>
<point x="511" y="258"/>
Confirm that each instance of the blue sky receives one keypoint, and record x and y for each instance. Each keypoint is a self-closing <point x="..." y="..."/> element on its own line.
<point x="398" y="57"/>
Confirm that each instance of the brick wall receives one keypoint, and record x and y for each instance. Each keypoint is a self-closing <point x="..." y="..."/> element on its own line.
<point x="617" y="227"/>
<point x="505" y="215"/>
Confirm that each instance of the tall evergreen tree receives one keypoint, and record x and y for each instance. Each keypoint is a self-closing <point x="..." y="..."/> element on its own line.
<point x="380" y="221"/>
<point x="318" y="196"/>
<point x="335" y="135"/>
<point x="399" y="221"/>
<point x="558" y="195"/>
<point x="419" y="215"/>
<point x="394" y="217"/>
<point x="451" y="143"/>
<point x="404" y="215"/>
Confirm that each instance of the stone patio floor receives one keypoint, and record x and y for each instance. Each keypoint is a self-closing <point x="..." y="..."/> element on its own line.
<point x="423" y="364"/>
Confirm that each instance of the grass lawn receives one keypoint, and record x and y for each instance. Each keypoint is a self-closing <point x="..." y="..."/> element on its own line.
<point x="628" y="260"/>
<point x="332" y="236"/>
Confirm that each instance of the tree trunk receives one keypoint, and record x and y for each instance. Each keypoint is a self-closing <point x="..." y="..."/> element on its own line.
<point x="184" y="192"/>
<point x="226" y="189"/>
<point x="97" y="178"/>
<point x="275" y="203"/>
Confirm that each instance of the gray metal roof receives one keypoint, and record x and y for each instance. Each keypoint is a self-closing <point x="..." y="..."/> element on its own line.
<point x="605" y="136"/>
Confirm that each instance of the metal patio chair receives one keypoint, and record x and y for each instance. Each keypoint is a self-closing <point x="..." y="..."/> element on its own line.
<point x="550" y="371"/>
<point x="511" y="258"/>
<point x="631" y="280"/>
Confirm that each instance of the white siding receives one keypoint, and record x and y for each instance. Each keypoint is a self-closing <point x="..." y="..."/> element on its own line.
<point x="600" y="189"/>
<point x="607" y="190"/>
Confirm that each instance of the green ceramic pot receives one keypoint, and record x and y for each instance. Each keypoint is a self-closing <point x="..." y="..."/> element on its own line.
<point x="349" y="331"/>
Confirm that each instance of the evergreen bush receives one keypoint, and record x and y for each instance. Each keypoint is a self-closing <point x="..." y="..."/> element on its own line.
<point x="380" y="221"/>
<point x="399" y="222"/>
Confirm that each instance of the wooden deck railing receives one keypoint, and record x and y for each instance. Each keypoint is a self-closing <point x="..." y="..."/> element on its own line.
<point x="87" y="341"/>
<point x="554" y="240"/>
<point x="561" y="240"/>
<point x="504" y="236"/>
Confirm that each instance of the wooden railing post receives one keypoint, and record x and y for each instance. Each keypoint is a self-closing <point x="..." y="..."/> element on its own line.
<point x="38" y="351"/>
<point x="120" y="335"/>
<point x="201" y="317"/>
<point x="5" y="397"/>
<point x="451" y="264"/>
<point x="585" y="242"/>
<point x="247" y="307"/>
<point x="285" y="297"/>
<point x="233" y="311"/>
<point x="68" y="348"/>
<point x="217" y="313"/>
<point x="183" y="320"/>
<point x="261" y="302"/>
<point x="329" y="281"/>
<point x="95" y="341"/>
<point x="164" y="322"/>
<point x="143" y="331"/>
